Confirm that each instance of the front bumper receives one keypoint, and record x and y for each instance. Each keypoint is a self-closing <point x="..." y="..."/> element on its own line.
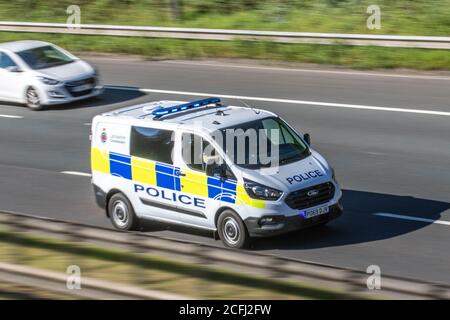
<point x="290" y="223"/>
<point x="59" y="95"/>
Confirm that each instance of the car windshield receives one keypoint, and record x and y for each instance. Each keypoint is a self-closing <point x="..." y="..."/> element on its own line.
<point x="44" y="57"/>
<point x="263" y="143"/>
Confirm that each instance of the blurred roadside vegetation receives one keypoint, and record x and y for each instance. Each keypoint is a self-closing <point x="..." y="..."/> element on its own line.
<point x="159" y="49"/>
<point x="146" y="270"/>
<point x="405" y="17"/>
<point x="402" y="17"/>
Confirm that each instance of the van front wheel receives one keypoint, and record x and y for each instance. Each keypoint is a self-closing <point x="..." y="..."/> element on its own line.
<point x="232" y="230"/>
<point x="121" y="213"/>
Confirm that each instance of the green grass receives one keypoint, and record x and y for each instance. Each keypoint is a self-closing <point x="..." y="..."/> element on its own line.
<point x="413" y="17"/>
<point x="348" y="56"/>
<point x="404" y="17"/>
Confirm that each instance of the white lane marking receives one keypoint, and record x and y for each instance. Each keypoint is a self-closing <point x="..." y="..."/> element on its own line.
<point x="290" y="101"/>
<point x="373" y="153"/>
<point x="402" y="217"/>
<point x="10" y="116"/>
<point x="351" y="73"/>
<point x="76" y="173"/>
<point x="87" y="124"/>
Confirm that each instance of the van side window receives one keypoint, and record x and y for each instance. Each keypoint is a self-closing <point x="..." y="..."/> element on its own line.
<point x="152" y="144"/>
<point x="192" y="151"/>
<point x="193" y="147"/>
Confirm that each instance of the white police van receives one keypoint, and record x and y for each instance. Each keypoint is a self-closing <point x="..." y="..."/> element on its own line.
<point x="164" y="161"/>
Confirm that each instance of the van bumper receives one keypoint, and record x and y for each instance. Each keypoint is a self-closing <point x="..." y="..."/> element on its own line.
<point x="100" y="196"/>
<point x="285" y="224"/>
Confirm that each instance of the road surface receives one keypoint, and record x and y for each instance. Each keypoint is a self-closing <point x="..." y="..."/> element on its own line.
<point x="386" y="134"/>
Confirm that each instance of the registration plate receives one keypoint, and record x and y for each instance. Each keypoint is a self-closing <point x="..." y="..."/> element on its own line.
<point x="314" y="212"/>
<point x="82" y="88"/>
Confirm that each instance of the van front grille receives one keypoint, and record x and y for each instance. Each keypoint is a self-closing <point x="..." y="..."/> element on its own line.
<point x="310" y="197"/>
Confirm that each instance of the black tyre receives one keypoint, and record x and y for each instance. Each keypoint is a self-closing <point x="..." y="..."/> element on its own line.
<point x="232" y="230"/>
<point x="33" y="101"/>
<point x="121" y="213"/>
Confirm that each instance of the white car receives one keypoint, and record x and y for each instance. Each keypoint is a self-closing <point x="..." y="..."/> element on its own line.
<point x="39" y="73"/>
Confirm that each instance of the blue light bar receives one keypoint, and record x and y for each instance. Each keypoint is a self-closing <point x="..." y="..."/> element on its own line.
<point x="185" y="106"/>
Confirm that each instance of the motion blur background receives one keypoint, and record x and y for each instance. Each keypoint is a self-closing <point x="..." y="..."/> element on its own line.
<point x="364" y="147"/>
<point x="398" y="17"/>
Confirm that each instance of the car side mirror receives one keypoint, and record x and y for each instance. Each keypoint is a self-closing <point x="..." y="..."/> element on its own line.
<point x="13" y="69"/>
<point x="307" y="138"/>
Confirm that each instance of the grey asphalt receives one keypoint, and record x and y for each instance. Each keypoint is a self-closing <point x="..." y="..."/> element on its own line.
<point x="386" y="162"/>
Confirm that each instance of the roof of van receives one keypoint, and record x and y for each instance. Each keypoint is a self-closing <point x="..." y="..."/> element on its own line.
<point x="208" y="117"/>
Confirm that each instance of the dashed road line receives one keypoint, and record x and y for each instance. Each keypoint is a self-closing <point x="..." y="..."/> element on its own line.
<point x="291" y="101"/>
<point x="411" y="218"/>
<point x="10" y="116"/>
<point x="77" y="173"/>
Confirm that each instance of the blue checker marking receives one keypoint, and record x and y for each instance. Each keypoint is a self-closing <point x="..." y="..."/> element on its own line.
<point x="120" y="165"/>
<point x="165" y="177"/>
<point x="225" y="190"/>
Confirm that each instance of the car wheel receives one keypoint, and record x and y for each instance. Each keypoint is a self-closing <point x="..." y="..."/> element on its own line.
<point x="33" y="101"/>
<point x="121" y="213"/>
<point x="232" y="230"/>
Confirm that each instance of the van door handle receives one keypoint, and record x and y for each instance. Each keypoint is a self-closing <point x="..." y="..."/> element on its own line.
<point x="182" y="174"/>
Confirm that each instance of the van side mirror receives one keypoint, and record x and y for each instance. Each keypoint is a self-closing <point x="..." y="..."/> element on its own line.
<point x="210" y="159"/>
<point x="307" y="138"/>
<point x="219" y="171"/>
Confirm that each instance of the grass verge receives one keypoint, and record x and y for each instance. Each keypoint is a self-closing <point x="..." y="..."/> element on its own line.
<point x="155" y="49"/>
<point x="152" y="272"/>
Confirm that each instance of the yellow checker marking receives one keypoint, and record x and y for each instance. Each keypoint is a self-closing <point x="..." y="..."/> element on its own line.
<point x="143" y="171"/>
<point x="195" y="183"/>
<point x="243" y="198"/>
<point x="100" y="160"/>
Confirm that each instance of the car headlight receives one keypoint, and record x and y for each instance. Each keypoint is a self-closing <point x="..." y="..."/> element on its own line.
<point x="261" y="192"/>
<point x="48" y="81"/>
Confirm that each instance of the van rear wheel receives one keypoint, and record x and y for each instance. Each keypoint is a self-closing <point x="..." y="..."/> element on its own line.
<point x="121" y="213"/>
<point x="232" y="230"/>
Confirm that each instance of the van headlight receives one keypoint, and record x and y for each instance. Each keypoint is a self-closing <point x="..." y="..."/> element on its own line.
<point x="261" y="192"/>
<point x="49" y="81"/>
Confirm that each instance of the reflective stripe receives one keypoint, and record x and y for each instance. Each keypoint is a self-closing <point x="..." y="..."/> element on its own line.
<point x="143" y="171"/>
<point x="167" y="176"/>
<point x="244" y="198"/>
<point x="224" y="190"/>
<point x="120" y="165"/>
<point x="100" y="160"/>
<point x="195" y="183"/>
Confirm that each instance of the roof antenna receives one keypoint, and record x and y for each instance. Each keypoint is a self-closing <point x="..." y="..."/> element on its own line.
<point x="250" y="107"/>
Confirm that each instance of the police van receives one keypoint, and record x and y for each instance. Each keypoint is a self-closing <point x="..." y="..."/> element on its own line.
<point x="164" y="161"/>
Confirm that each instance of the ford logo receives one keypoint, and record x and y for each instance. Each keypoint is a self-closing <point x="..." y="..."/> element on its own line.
<point x="313" y="193"/>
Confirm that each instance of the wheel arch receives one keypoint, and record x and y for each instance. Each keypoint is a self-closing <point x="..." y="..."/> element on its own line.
<point x="108" y="197"/>
<point x="219" y="212"/>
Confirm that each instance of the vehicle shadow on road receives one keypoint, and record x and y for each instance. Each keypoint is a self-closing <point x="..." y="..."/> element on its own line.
<point x="359" y="223"/>
<point x="110" y="96"/>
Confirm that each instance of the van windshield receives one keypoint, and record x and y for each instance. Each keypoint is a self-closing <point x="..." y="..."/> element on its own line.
<point x="263" y="143"/>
